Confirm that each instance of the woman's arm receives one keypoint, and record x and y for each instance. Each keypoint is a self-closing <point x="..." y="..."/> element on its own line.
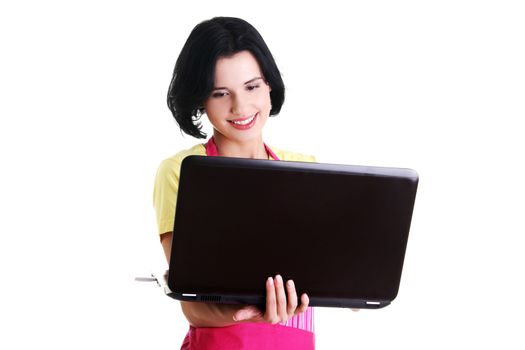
<point x="221" y="315"/>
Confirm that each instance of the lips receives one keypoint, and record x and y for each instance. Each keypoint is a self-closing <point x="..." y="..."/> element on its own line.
<point x="244" y="123"/>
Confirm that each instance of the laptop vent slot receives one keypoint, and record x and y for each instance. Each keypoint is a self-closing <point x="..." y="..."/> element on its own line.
<point x="210" y="298"/>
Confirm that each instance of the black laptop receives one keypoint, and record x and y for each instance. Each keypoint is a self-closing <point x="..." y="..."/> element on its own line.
<point x="339" y="231"/>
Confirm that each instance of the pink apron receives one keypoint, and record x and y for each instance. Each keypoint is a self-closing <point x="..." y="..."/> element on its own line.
<point x="250" y="336"/>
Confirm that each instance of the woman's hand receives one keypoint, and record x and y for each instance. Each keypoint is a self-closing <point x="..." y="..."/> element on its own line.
<point x="278" y="309"/>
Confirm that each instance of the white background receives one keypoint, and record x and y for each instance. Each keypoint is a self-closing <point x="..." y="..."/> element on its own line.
<point x="436" y="86"/>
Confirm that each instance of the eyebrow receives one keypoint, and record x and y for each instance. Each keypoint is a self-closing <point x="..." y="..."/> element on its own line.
<point x="246" y="83"/>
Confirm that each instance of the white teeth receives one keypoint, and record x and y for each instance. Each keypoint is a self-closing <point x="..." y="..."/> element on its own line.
<point x="243" y="122"/>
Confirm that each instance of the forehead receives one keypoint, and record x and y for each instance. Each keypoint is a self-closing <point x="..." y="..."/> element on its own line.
<point x="237" y="69"/>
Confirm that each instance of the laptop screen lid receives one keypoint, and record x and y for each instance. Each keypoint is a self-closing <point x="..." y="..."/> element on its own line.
<point x="339" y="231"/>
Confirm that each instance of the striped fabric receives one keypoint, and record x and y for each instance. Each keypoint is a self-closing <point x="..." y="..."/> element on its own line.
<point x="304" y="321"/>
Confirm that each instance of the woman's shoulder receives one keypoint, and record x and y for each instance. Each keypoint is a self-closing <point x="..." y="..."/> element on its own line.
<point x="293" y="156"/>
<point x="174" y="162"/>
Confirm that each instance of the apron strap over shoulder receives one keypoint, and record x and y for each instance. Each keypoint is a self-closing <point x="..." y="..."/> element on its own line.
<point x="211" y="149"/>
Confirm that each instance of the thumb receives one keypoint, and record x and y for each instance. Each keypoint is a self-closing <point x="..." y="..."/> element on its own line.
<point x="246" y="313"/>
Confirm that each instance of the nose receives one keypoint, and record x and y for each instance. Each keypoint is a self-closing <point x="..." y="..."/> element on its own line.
<point x="238" y="106"/>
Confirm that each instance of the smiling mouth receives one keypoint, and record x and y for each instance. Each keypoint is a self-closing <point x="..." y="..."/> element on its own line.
<point x="244" y="123"/>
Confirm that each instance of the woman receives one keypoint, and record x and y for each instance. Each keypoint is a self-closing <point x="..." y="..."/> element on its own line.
<point x="226" y="72"/>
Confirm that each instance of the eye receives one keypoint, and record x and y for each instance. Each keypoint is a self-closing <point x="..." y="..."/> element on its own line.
<point x="252" y="87"/>
<point x="219" y="94"/>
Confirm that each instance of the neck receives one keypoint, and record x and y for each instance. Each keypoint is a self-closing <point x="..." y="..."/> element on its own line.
<point x="243" y="149"/>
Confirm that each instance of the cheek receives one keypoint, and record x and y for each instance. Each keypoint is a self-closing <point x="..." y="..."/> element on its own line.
<point x="264" y="101"/>
<point x="214" y="109"/>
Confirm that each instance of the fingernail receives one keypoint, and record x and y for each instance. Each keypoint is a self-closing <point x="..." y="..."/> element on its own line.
<point x="279" y="279"/>
<point x="290" y="283"/>
<point x="270" y="281"/>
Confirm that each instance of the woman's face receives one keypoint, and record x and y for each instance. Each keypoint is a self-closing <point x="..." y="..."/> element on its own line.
<point x="239" y="104"/>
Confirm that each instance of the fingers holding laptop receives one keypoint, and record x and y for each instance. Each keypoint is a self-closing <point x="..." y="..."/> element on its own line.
<point x="293" y="307"/>
<point x="279" y="308"/>
<point x="281" y="303"/>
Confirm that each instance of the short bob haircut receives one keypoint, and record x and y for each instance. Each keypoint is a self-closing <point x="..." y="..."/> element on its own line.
<point x="194" y="74"/>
